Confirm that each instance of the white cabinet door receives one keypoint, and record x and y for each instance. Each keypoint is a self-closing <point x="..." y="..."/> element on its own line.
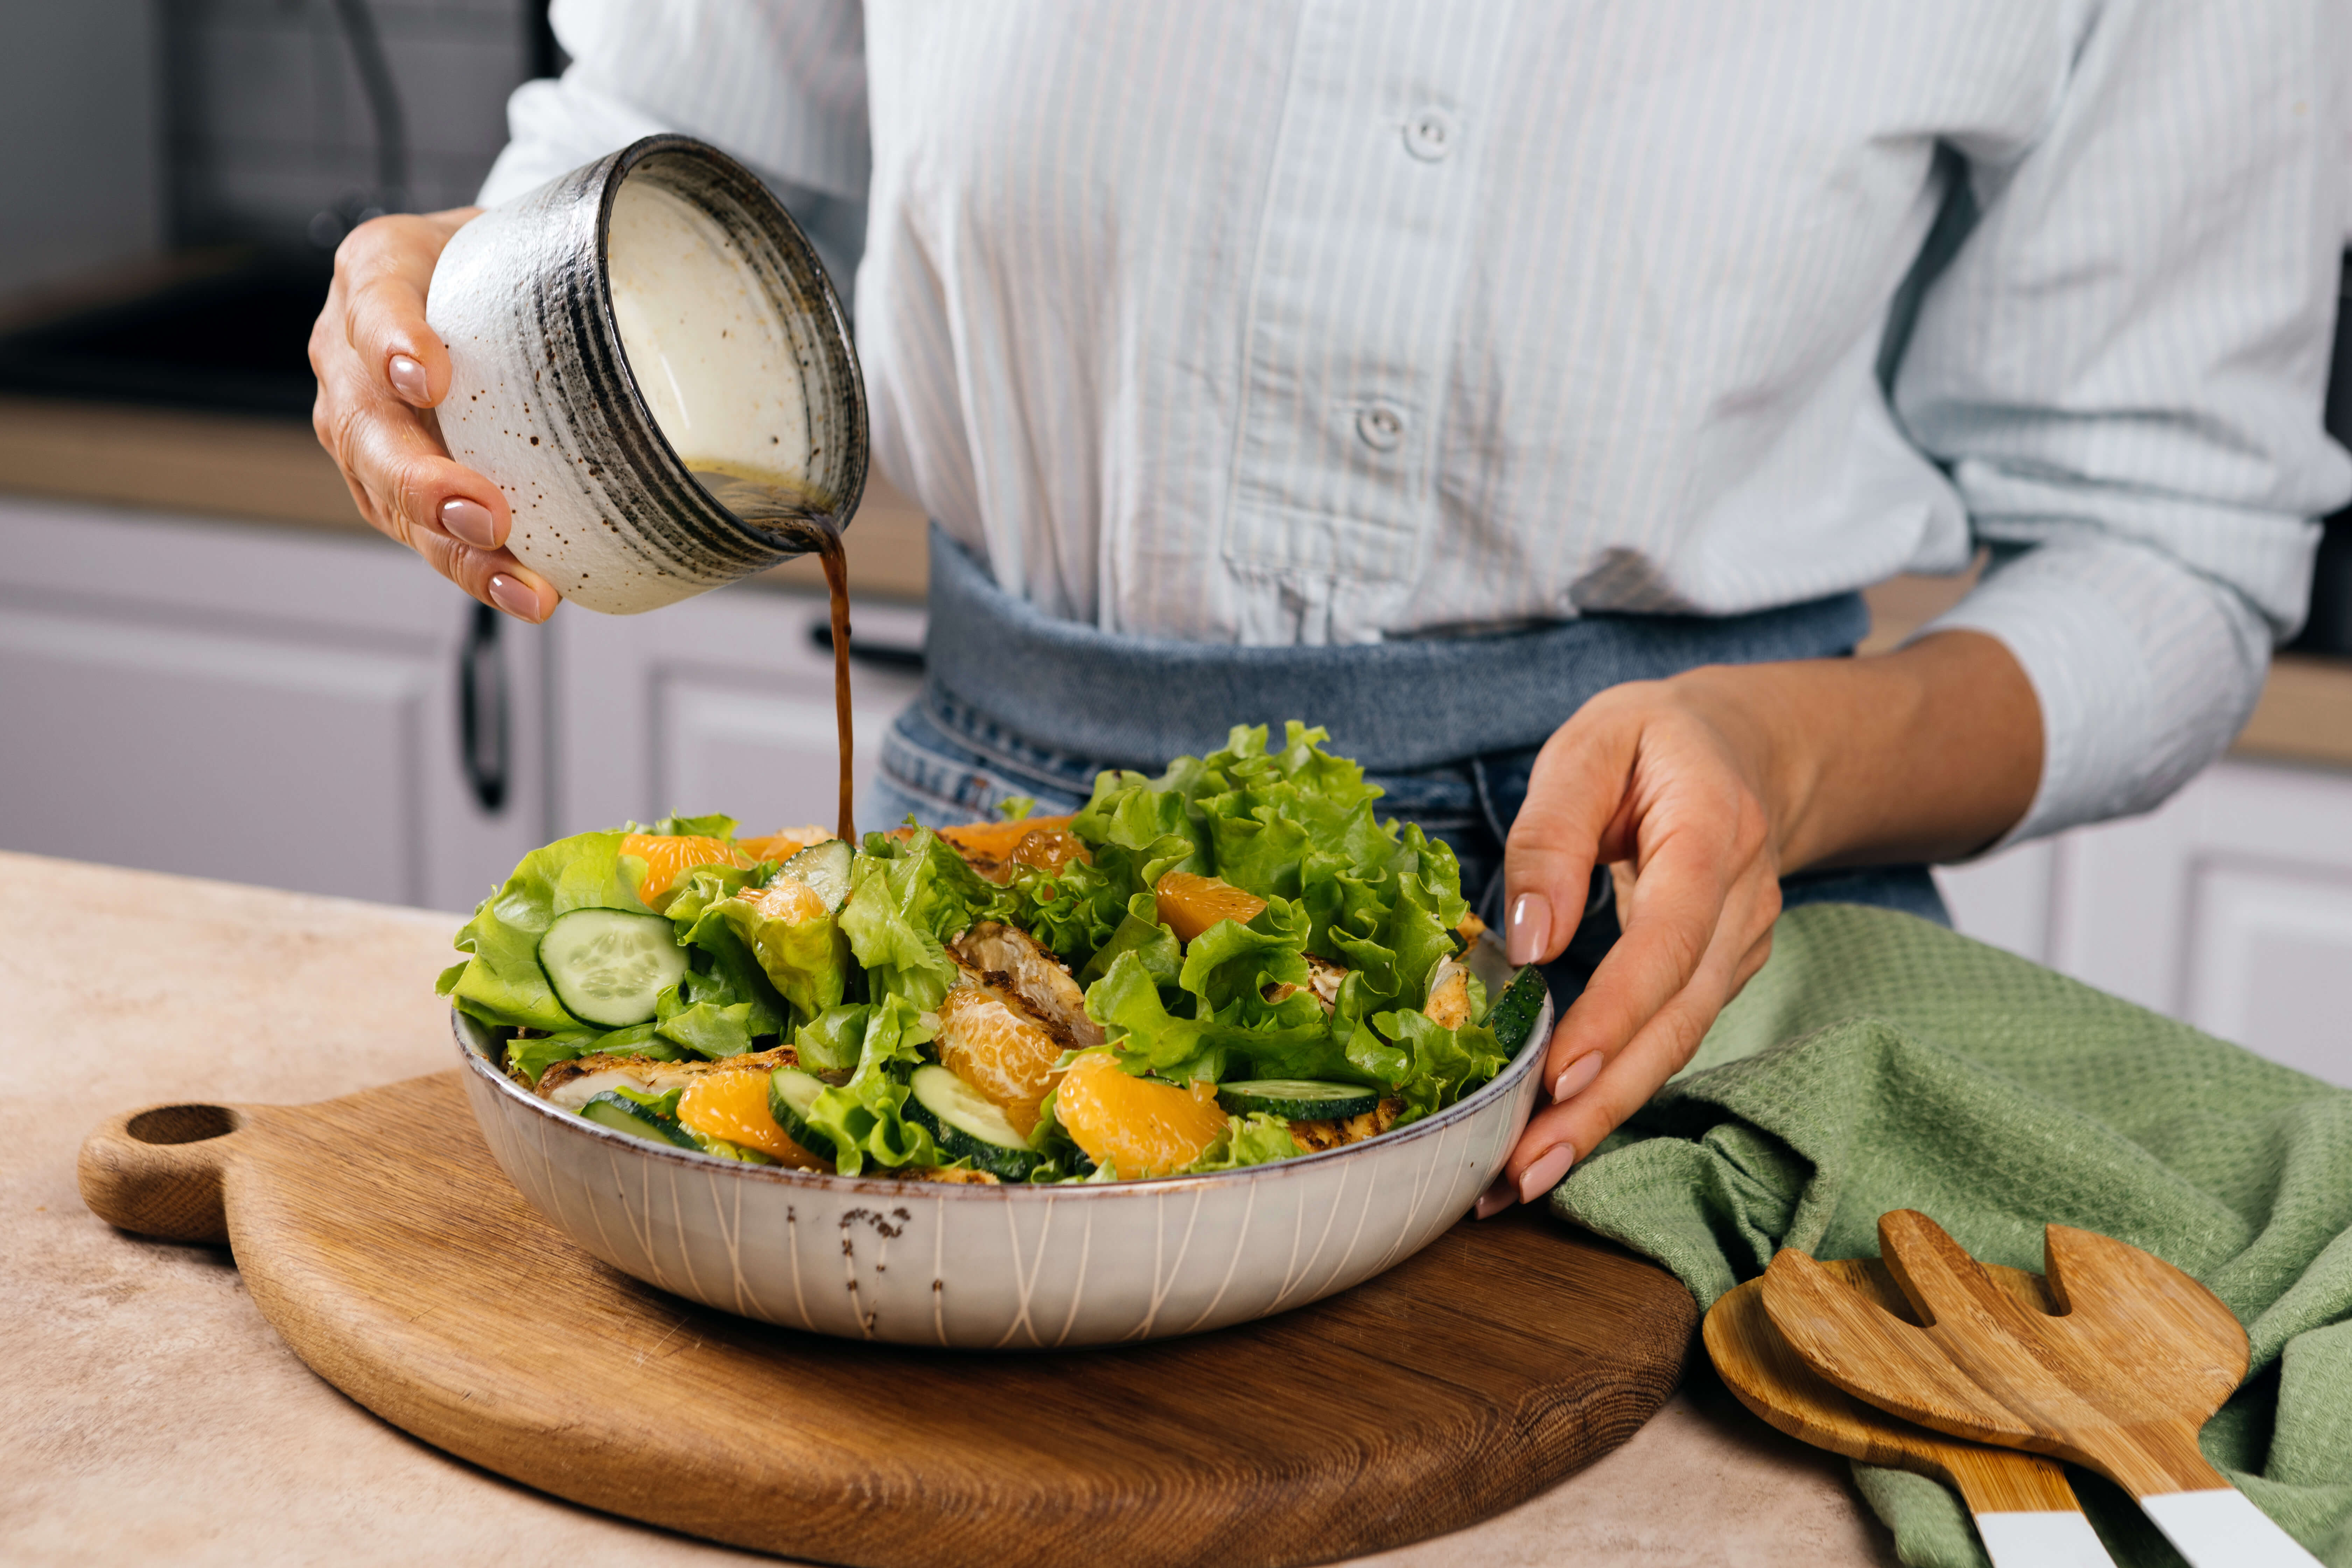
<point x="727" y="708"/>
<point x="259" y="704"/>
<point x="2231" y="906"/>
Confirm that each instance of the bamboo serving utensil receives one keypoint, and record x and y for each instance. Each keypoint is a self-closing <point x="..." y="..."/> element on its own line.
<point x="2120" y="1380"/>
<point x="2025" y="1512"/>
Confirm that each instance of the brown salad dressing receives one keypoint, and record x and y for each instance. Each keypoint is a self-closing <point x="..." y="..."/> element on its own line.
<point x="807" y="522"/>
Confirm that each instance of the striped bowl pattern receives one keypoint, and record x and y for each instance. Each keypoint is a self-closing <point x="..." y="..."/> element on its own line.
<point x="543" y="403"/>
<point x="1004" y="1268"/>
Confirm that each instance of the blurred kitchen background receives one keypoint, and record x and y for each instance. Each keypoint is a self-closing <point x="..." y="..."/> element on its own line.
<point x="210" y="664"/>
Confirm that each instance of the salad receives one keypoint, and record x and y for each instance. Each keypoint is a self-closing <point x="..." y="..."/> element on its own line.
<point x="1231" y="964"/>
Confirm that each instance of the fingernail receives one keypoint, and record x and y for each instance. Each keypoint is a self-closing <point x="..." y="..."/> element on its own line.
<point x="1545" y="1173"/>
<point x="471" y="521"/>
<point x="514" y="598"/>
<point x="1497" y="1198"/>
<point x="1577" y="1076"/>
<point x="1530" y="930"/>
<point x="407" y="378"/>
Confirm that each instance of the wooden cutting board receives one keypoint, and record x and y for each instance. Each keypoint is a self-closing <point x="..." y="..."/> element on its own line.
<point x="379" y="1238"/>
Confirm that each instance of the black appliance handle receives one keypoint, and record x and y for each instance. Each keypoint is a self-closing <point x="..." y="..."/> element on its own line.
<point x="484" y="714"/>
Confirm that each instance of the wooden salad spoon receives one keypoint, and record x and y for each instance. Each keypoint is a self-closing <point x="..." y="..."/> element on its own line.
<point x="2025" y="1512"/>
<point x="2120" y="1380"/>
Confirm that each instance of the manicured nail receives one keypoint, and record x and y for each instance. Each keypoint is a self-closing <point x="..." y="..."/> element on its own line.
<point x="1545" y="1173"/>
<point x="1530" y="927"/>
<point x="1497" y="1198"/>
<point x="514" y="598"/>
<point x="407" y="378"/>
<point x="469" y="521"/>
<point x="1577" y="1076"/>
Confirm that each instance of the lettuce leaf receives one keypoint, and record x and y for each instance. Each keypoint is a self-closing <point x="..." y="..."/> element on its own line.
<point x="677" y="827"/>
<point x="1434" y="1065"/>
<point x="726" y="1004"/>
<point x="1146" y="1037"/>
<point x="1251" y="1140"/>
<point x="864" y="1117"/>
<point x="502" y="981"/>
<point x="905" y="899"/>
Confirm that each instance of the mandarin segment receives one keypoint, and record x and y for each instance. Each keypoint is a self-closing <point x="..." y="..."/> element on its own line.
<point x="1050" y="850"/>
<point x="667" y="860"/>
<point x="734" y="1106"/>
<point x="997" y="840"/>
<point x="998" y="1046"/>
<point x="787" y="899"/>
<point x="1189" y="904"/>
<point x="782" y="844"/>
<point x="1141" y="1126"/>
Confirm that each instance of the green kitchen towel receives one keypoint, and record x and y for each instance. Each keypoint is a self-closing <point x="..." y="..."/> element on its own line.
<point x="1879" y="1062"/>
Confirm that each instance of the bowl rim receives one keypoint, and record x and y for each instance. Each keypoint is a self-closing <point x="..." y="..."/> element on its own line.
<point x="650" y="158"/>
<point x="1503" y="1084"/>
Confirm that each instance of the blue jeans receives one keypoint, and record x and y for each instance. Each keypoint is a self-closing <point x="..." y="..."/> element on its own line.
<point x="1016" y="704"/>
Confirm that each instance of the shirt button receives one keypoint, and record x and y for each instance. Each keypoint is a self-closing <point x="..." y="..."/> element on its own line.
<point x="1430" y="134"/>
<point x="1379" y="427"/>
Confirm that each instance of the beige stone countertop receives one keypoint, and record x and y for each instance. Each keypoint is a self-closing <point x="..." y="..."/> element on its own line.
<point x="272" y="471"/>
<point x="150" y="1413"/>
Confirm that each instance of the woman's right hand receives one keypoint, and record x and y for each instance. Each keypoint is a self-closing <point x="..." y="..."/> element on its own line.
<point x="381" y="371"/>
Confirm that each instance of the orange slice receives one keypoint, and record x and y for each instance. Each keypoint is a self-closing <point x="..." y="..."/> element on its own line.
<point x="997" y="840"/>
<point x="734" y="1106"/>
<point x="998" y="1046"/>
<point x="782" y="844"/>
<point x="1191" y="904"/>
<point x="669" y="860"/>
<point x="1144" y="1127"/>
<point x="787" y="899"/>
<point x="1051" y="848"/>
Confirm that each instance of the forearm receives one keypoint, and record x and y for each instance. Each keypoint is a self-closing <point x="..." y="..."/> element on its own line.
<point x="1929" y="752"/>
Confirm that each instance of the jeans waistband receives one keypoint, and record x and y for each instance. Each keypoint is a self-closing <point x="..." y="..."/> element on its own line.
<point x="1135" y="701"/>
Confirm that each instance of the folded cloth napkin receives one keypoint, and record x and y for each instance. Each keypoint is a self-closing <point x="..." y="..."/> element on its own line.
<point x="1879" y="1062"/>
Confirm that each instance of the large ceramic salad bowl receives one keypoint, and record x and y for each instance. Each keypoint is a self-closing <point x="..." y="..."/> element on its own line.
<point x="1011" y="1266"/>
<point x="1218" y="1045"/>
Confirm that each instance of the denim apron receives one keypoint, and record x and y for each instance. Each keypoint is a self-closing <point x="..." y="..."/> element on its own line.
<point x="1016" y="703"/>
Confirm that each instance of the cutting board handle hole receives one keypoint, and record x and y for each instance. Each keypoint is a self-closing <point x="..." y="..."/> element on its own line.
<point x="182" y="1123"/>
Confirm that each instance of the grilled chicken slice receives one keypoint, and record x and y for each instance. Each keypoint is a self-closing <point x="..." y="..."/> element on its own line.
<point x="989" y="1040"/>
<point x="1315" y="1136"/>
<point x="1015" y="962"/>
<point x="1323" y="978"/>
<point x="574" y="1084"/>
<point x="1449" y="996"/>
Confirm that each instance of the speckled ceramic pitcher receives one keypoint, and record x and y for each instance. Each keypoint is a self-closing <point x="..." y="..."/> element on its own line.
<point x="652" y="317"/>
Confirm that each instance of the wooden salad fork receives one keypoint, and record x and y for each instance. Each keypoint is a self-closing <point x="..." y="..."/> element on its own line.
<point x="2120" y="1380"/>
<point x="2025" y="1514"/>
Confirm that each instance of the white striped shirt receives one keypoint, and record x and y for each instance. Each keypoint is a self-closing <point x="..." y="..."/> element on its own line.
<point x="1328" y="320"/>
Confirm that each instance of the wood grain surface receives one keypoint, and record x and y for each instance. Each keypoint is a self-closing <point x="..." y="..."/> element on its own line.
<point x="2121" y="1383"/>
<point x="1756" y="1365"/>
<point x="377" y="1235"/>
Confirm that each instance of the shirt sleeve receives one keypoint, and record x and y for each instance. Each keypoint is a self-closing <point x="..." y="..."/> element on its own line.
<point x="779" y="84"/>
<point x="2122" y="369"/>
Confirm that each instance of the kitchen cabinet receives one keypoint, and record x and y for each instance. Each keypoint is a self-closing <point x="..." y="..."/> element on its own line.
<point x="2229" y="906"/>
<point x="290" y="707"/>
<point x="729" y="709"/>
<point x="261" y="704"/>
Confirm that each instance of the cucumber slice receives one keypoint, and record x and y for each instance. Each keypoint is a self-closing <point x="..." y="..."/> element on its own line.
<point x="792" y="1094"/>
<point x="968" y="1124"/>
<point x="608" y="966"/>
<point x="823" y="868"/>
<point x="1297" y="1099"/>
<point x="1514" y="1013"/>
<point x="639" y="1120"/>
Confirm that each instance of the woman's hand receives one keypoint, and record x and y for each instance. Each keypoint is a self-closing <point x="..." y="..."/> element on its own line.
<point x="381" y="371"/>
<point x="1710" y="787"/>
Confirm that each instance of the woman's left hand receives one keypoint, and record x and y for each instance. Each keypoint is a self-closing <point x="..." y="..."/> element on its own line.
<point x="1712" y="785"/>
